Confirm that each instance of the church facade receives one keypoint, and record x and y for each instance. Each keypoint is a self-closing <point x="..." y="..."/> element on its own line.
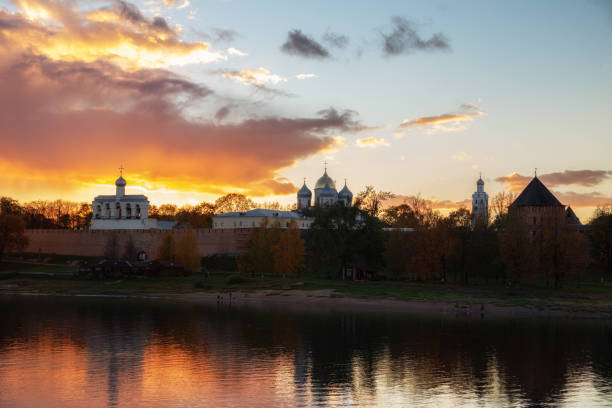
<point x="121" y="211"/>
<point x="325" y="194"/>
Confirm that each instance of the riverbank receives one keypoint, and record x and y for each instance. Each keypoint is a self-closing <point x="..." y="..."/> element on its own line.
<point x="306" y="293"/>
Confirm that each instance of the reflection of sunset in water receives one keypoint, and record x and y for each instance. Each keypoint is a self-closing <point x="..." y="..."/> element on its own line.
<point x="100" y="353"/>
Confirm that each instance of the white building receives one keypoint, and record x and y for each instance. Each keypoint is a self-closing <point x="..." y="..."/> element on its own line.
<point x="255" y="218"/>
<point x="480" y="204"/>
<point x="121" y="211"/>
<point x="325" y="193"/>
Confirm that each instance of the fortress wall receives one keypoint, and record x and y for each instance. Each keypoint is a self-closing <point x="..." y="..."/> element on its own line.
<point x="93" y="243"/>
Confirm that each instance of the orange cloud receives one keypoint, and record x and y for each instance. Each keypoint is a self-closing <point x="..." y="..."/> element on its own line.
<point x="118" y="32"/>
<point x="585" y="178"/>
<point x="372" y="142"/>
<point x="447" y="122"/>
<point x="76" y="118"/>
<point x="69" y="118"/>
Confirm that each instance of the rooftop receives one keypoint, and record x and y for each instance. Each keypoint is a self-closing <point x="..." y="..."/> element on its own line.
<point x="536" y="195"/>
<point x="260" y="212"/>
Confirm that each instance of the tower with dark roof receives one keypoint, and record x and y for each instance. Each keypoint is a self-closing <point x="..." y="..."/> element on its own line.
<point x="304" y="197"/>
<point x="538" y="208"/>
<point x="346" y="195"/>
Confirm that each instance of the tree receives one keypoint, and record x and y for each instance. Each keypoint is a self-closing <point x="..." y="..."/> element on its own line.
<point x="340" y="234"/>
<point x="370" y="201"/>
<point x="167" y="248"/>
<point x="289" y="251"/>
<point x="187" y="251"/>
<point x="400" y="216"/>
<point x="199" y="216"/>
<point x="9" y="206"/>
<point x="233" y="202"/>
<point x="399" y="254"/>
<point x="517" y="252"/>
<point x="500" y="204"/>
<point x="600" y="237"/>
<point x="12" y="237"/>
<point x="259" y="258"/>
<point x="459" y="241"/>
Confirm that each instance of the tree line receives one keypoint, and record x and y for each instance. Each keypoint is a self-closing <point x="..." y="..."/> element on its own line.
<point x="423" y="244"/>
<point x="62" y="214"/>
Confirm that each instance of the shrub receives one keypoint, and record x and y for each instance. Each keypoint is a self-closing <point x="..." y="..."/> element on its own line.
<point x="235" y="279"/>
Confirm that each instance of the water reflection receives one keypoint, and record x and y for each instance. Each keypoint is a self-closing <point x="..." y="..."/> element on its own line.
<point x="74" y="352"/>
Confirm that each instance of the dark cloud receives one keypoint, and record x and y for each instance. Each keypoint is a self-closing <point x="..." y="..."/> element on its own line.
<point x="405" y="39"/>
<point x="591" y="199"/>
<point x="302" y="45"/>
<point x="222" y="112"/>
<point x="336" y="40"/>
<point x="255" y="78"/>
<point x="78" y="115"/>
<point x="129" y="12"/>
<point x="219" y="35"/>
<point x="584" y="178"/>
<point x="65" y="119"/>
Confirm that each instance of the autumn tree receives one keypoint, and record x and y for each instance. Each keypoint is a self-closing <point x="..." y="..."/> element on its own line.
<point x="289" y="251"/>
<point x="187" y="251"/>
<point x="600" y="237"/>
<point x="339" y="234"/>
<point x="499" y="205"/>
<point x="517" y="252"/>
<point x="167" y="248"/>
<point x="12" y="237"/>
<point x="399" y="253"/>
<point x="9" y="206"/>
<point x="198" y="216"/>
<point x="370" y="201"/>
<point x="400" y="216"/>
<point x="459" y="242"/>
<point x="233" y="202"/>
<point x="259" y="258"/>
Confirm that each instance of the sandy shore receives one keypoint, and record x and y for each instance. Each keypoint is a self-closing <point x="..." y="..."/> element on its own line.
<point x="328" y="301"/>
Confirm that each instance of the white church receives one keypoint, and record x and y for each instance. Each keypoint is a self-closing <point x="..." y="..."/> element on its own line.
<point x="121" y="211"/>
<point x="325" y="193"/>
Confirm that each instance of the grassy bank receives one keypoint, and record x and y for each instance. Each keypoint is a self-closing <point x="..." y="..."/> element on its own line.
<point x="56" y="276"/>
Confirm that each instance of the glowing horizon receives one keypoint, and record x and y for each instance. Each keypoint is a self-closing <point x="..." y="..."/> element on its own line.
<point x="410" y="101"/>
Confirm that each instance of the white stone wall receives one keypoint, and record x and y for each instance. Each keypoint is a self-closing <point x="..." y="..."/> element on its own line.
<point x="255" y="222"/>
<point x="123" y="224"/>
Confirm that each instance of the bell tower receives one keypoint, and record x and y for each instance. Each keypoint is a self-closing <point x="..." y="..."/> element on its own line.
<point x="480" y="204"/>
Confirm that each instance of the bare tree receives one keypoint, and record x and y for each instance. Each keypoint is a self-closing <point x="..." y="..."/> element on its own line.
<point x="370" y="200"/>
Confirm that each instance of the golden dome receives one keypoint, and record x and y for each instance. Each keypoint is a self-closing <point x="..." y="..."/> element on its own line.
<point x="323" y="180"/>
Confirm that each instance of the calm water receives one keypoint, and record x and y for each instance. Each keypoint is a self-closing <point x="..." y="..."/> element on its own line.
<point x="88" y="352"/>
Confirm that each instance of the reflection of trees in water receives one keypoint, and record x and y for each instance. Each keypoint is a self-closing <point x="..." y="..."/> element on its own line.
<point x="522" y="360"/>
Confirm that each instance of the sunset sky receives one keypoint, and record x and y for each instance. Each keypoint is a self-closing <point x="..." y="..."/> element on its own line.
<point x="200" y="98"/>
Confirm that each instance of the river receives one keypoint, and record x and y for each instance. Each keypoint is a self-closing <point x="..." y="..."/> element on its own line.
<point x="116" y="352"/>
